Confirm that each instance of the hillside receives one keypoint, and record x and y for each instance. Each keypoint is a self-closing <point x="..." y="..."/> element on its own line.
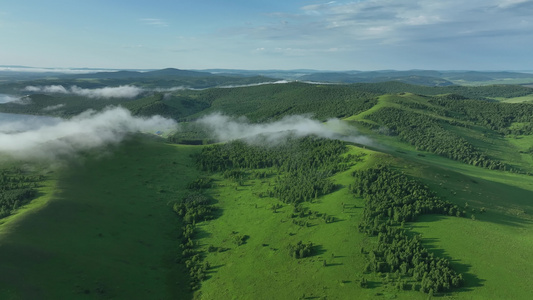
<point x="435" y="201"/>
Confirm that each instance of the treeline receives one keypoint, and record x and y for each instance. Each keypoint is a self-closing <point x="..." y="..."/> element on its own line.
<point x="16" y="189"/>
<point x="391" y="200"/>
<point x="310" y="152"/>
<point x="428" y="133"/>
<point x="505" y="118"/>
<point x="473" y="92"/>
<point x="303" y="165"/>
<point x="274" y="101"/>
<point x="195" y="207"/>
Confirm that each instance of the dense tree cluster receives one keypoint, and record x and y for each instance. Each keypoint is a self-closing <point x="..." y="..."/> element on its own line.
<point x="429" y="133"/>
<point x="495" y="116"/>
<point x="391" y="200"/>
<point x="297" y="187"/>
<point x="266" y="102"/>
<point x="193" y="208"/>
<point x="473" y="92"/>
<point x="306" y="165"/>
<point x="301" y="250"/>
<point x="287" y="156"/>
<point x="200" y="184"/>
<point x="16" y="189"/>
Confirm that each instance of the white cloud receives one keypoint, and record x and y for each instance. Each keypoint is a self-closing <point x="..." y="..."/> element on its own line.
<point x="65" y="138"/>
<point x="8" y="98"/>
<point x="361" y="24"/>
<point x="225" y="128"/>
<point x="54" y="89"/>
<point x="123" y="91"/>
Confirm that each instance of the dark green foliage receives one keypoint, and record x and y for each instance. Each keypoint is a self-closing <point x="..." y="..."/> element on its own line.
<point x="430" y="134"/>
<point x="239" y="239"/>
<point x="307" y="163"/>
<point x="267" y="102"/>
<point x="296" y="188"/>
<point x="166" y="105"/>
<point x="190" y="134"/>
<point x="290" y="156"/>
<point x="16" y="189"/>
<point x="491" y="115"/>
<point x="194" y="208"/>
<point x="392" y="199"/>
<point x="200" y="184"/>
<point x="301" y="250"/>
<point x="363" y="283"/>
<point x="472" y="92"/>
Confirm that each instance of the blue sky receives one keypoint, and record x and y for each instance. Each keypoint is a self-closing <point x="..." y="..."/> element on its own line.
<point x="326" y="35"/>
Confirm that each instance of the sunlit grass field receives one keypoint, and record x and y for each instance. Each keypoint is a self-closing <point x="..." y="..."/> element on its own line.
<point x="262" y="267"/>
<point x="104" y="228"/>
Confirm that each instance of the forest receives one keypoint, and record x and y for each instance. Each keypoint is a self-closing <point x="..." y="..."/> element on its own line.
<point x="17" y="188"/>
<point x="430" y="134"/>
<point x="392" y="200"/>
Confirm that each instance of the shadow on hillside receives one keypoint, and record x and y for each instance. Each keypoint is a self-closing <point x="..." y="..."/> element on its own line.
<point x="471" y="280"/>
<point x="492" y="216"/>
<point x="317" y="250"/>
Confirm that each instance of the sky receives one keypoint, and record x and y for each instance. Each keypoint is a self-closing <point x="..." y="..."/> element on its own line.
<point x="273" y="34"/>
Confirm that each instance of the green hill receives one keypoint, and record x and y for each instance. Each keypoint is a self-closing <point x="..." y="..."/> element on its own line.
<point x="438" y="204"/>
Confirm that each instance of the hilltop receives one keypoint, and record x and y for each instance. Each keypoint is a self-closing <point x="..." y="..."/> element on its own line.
<point x="443" y="173"/>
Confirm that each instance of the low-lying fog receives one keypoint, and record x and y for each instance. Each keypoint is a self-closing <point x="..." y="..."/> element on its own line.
<point x="50" y="138"/>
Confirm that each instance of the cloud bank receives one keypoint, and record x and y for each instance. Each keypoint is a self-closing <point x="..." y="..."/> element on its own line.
<point x="123" y="91"/>
<point x="8" y="98"/>
<point x="65" y="138"/>
<point x="224" y="128"/>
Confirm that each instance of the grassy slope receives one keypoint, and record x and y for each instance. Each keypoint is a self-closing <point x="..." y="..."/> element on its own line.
<point x="263" y="269"/>
<point x="528" y="98"/>
<point x="255" y="271"/>
<point x="492" y="251"/>
<point x="107" y="232"/>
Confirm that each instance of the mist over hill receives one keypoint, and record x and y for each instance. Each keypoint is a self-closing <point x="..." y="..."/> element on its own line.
<point x="328" y="173"/>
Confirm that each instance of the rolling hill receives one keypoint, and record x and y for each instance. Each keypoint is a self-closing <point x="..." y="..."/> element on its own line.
<point x="437" y="202"/>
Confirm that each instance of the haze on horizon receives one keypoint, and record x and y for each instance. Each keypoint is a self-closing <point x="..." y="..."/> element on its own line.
<point x="238" y="34"/>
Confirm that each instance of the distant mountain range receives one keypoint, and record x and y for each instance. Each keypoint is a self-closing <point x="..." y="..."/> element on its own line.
<point x="419" y="77"/>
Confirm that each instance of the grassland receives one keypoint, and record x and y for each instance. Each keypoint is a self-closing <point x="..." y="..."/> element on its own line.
<point x="104" y="227"/>
<point x="106" y="232"/>
<point x="260" y="270"/>
<point x="262" y="267"/>
<point x="495" y="243"/>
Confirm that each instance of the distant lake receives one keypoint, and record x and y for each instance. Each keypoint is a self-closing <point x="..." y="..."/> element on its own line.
<point x="10" y="123"/>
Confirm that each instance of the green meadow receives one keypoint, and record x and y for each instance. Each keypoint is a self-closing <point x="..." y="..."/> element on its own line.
<point x="103" y="225"/>
<point x="262" y="267"/>
<point x="103" y="229"/>
<point x="490" y="251"/>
